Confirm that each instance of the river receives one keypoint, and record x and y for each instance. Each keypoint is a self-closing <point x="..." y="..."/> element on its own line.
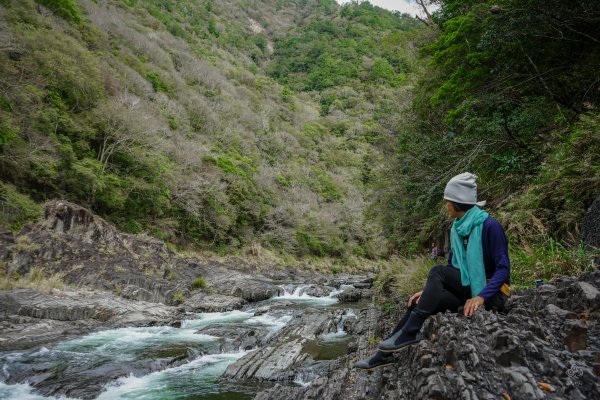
<point x="185" y="361"/>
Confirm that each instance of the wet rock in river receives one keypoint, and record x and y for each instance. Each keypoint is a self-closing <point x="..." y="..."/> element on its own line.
<point x="237" y="337"/>
<point x="316" y="290"/>
<point x="284" y="356"/>
<point x="267" y="363"/>
<point x="244" y="286"/>
<point x="361" y="282"/>
<point x="213" y="303"/>
<point x="352" y="295"/>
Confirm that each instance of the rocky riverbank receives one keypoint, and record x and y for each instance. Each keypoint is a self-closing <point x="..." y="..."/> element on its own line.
<point x="546" y="346"/>
<point x="95" y="343"/>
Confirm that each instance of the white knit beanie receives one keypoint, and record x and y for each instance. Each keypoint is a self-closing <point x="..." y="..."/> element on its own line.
<point x="463" y="189"/>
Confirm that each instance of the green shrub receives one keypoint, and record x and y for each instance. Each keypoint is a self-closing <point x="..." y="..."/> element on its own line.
<point x="178" y="297"/>
<point x="310" y="244"/>
<point x="68" y="9"/>
<point x="199" y="283"/>
<point x="335" y="269"/>
<point x="8" y="131"/>
<point x="157" y="82"/>
<point x="324" y="185"/>
<point x="16" y="209"/>
<point x="382" y="71"/>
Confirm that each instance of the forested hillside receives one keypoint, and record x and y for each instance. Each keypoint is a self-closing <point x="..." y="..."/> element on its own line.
<point x="303" y="126"/>
<point x="216" y="124"/>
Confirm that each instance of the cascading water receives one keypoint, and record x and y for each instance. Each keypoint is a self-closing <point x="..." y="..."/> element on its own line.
<point x="161" y="362"/>
<point x="298" y="293"/>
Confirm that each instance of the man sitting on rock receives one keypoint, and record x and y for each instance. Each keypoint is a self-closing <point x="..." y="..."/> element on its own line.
<point x="478" y="271"/>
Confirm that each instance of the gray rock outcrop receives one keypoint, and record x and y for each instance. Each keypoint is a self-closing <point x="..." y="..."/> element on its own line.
<point x="352" y="295"/>
<point x="29" y="318"/>
<point x="204" y="302"/>
<point x="546" y="346"/>
<point x="88" y="251"/>
<point x="283" y="356"/>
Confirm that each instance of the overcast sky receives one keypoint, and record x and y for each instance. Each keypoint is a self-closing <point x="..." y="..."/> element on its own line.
<point x="405" y="6"/>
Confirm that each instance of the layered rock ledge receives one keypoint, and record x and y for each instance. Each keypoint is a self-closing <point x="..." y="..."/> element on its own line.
<point x="29" y="318"/>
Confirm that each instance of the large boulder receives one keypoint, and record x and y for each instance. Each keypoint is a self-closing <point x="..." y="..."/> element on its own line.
<point x="249" y="288"/>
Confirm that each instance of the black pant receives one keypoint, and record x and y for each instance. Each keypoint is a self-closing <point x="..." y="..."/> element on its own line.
<point x="444" y="291"/>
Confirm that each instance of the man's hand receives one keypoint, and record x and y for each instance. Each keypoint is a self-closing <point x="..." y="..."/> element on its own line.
<point x="415" y="297"/>
<point x="472" y="305"/>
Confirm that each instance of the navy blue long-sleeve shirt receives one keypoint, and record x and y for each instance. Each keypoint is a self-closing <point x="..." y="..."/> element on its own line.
<point x="495" y="257"/>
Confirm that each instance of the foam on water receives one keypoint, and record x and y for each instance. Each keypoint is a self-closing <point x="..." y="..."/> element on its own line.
<point x="300" y="381"/>
<point x="194" y="378"/>
<point x="328" y="337"/>
<point x="298" y="295"/>
<point x="274" y="324"/>
<point x="125" y="342"/>
<point x="23" y="392"/>
<point x="204" y="319"/>
<point x="340" y="333"/>
<point x="269" y="320"/>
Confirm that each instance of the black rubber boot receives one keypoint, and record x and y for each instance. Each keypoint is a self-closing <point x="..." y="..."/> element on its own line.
<point x="408" y="335"/>
<point x="379" y="359"/>
<point x="402" y="321"/>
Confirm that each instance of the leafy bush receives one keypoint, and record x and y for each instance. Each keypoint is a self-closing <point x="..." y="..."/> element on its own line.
<point x="16" y="209"/>
<point x="157" y="82"/>
<point x="68" y="9"/>
<point x="178" y="297"/>
<point x="199" y="283"/>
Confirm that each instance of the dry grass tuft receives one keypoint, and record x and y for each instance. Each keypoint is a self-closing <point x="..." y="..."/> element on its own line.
<point x="35" y="279"/>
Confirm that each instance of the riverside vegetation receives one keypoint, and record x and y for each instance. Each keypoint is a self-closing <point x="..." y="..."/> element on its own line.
<point x="304" y="127"/>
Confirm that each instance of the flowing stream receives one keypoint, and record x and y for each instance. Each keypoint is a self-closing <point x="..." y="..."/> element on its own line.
<point x="137" y="362"/>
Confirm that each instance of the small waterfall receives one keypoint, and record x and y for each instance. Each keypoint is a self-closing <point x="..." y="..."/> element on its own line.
<point x="301" y="380"/>
<point x="293" y="292"/>
<point x="340" y="332"/>
<point x="299" y="293"/>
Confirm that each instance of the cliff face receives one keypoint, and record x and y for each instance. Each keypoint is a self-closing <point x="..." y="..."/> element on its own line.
<point x="546" y="346"/>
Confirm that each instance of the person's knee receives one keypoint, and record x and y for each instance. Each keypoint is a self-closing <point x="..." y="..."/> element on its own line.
<point x="436" y="271"/>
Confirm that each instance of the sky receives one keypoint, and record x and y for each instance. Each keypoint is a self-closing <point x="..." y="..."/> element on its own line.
<point x="405" y="6"/>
